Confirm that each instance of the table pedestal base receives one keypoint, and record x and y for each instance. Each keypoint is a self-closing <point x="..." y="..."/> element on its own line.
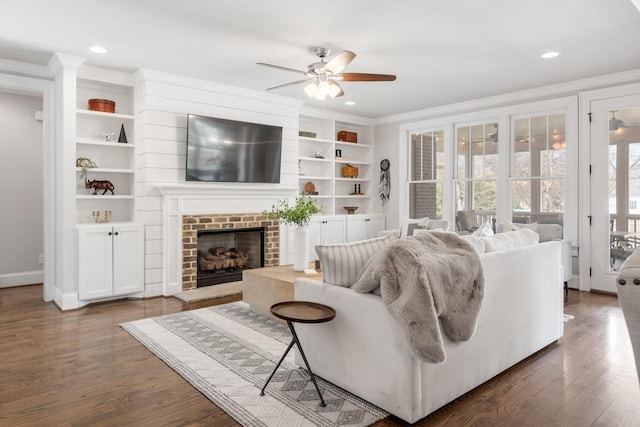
<point x="295" y="341"/>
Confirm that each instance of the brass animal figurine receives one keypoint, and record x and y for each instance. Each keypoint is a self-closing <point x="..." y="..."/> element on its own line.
<point x="99" y="185"/>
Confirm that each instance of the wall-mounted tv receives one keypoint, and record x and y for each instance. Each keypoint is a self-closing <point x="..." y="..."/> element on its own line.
<point x="221" y="150"/>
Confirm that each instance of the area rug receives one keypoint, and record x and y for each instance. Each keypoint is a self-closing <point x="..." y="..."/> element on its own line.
<point x="227" y="352"/>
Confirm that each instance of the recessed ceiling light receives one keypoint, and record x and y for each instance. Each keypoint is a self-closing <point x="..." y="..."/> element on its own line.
<point x="549" y="55"/>
<point x="98" y="49"/>
<point x="350" y="103"/>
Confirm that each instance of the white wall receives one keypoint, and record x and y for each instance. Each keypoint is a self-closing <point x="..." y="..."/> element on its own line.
<point x="21" y="218"/>
<point x="163" y="102"/>
<point x="386" y="147"/>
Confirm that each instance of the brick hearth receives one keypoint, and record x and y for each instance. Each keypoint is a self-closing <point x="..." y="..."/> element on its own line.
<point x="192" y="223"/>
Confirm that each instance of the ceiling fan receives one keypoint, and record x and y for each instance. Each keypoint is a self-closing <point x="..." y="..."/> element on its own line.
<point x="322" y="77"/>
<point x="615" y="123"/>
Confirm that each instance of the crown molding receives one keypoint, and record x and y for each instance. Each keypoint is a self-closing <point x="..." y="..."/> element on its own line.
<point x="24" y="69"/>
<point x="537" y="94"/>
<point x="60" y="60"/>
<point x="190" y="82"/>
<point x="334" y="115"/>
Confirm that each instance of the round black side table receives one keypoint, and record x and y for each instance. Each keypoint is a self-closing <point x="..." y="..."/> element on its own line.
<point x="300" y="312"/>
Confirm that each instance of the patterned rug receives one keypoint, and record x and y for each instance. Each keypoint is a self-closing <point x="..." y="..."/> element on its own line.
<point x="227" y="352"/>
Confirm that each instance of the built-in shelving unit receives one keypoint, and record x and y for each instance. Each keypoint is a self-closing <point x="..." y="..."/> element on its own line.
<point x="115" y="161"/>
<point x="320" y="164"/>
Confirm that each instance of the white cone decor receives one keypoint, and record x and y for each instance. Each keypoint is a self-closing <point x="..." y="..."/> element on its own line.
<point x="297" y="217"/>
<point x="300" y="248"/>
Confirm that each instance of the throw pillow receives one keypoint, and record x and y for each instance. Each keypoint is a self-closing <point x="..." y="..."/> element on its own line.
<point x="410" y="224"/>
<point x="485" y="230"/>
<point x="510" y="239"/>
<point x="342" y="262"/>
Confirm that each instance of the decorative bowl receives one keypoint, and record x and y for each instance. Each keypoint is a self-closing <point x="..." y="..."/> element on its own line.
<point x="351" y="209"/>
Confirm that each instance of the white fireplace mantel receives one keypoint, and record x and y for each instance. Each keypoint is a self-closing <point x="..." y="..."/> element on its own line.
<point x="206" y="198"/>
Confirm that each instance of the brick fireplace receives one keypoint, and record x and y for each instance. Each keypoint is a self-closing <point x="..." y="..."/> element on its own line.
<point x="192" y="224"/>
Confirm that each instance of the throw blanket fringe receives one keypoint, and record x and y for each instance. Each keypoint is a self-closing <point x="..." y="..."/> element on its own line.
<point x="429" y="282"/>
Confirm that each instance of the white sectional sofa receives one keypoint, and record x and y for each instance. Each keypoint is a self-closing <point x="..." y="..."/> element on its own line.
<point x="364" y="351"/>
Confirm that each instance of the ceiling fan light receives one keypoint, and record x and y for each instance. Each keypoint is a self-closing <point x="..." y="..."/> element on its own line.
<point x="320" y="96"/>
<point x="559" y="145"/>
<point x="334" y="89"/>
<point x="324" y="88"/>
<point x="311" y="89"/>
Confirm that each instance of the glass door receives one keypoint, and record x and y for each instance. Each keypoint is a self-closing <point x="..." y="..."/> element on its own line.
<point x="615" y="187"/>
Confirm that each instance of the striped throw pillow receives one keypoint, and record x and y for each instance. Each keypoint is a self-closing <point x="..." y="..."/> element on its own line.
<point x="342" y="262"/>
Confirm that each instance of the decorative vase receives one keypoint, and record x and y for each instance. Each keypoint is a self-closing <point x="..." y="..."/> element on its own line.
<point x="300" y="248"/>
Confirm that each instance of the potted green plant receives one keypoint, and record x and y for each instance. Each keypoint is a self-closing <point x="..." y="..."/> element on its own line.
<point x="297" y="216"/>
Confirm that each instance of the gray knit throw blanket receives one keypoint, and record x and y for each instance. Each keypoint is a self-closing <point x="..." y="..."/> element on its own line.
<point x="431" y="283"/>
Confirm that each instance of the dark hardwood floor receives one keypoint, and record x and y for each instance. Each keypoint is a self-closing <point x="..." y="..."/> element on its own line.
<point x="80" y="368"/>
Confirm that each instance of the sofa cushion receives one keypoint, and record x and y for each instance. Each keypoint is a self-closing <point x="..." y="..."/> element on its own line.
<point x="510" y="239"/>
<point x="476" y="242"/>
<point x="410" y="224"/>
<point x="510" y="226"/>
<point x="342" y="262"/>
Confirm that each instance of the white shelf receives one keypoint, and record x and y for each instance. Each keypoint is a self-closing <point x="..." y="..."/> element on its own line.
<point x="87" y="141"/>
<point x="352" y="144"/>
<point x="322" y="141"/>
<point x="319" y="196"/>
<point x="316" y="178"/>
<point x="351" y="162"/>
<point x="326" y="173"/>
<point x="313" y="159"/>
<point x="353" y="179"/>
<point x="116" y="160"/>
<point x="104" y="196"/>
<point x="106" y="115"/>
<point x="107" y="170"/>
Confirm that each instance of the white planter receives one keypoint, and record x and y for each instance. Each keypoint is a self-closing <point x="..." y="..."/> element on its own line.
<point x="300" y="248"/>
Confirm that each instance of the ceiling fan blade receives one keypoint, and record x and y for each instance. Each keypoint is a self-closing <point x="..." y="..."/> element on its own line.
<point x="340" y="61"/>
<point x="337" y="94"/>
<point x="364" y="77"/>
<point x="282" y="68"/>
<point x="290" y="84"/>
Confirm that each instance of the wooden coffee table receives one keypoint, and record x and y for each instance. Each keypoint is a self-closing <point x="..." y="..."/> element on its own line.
<point x="300" y="312"/>
<point x="263" y="287"/>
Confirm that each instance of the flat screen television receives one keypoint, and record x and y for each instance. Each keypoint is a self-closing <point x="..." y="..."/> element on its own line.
<point x="221" y="150"/>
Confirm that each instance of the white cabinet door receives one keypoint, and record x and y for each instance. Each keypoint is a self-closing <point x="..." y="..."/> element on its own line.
<point x="376" y="223"/>
<point x="356" y="228"/>
<point x="334" y="230"/>
<point x="128" y="262"/>
<point x="362" y="227"/>
<point x="315" y="233"/>
<point x="326" y="230"/>
<point x="95" y="277"/>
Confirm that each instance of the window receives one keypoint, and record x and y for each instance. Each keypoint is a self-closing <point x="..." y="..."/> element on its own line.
<point x="426" y="174"/>
<point x="538" y="168"/>
<point x="477" y="169"/>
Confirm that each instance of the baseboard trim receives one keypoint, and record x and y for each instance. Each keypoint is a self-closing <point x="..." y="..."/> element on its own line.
<point x="21" y="279"/>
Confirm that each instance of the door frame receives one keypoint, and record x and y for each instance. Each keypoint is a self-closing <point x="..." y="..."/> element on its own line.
<point x="584" y="183"/>
<point x="44" y="89"/>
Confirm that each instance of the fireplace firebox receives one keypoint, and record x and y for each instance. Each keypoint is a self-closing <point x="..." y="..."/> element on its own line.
<point x="224" y="254"/>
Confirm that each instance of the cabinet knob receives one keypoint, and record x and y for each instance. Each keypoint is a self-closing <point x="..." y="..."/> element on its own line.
<point x="110" y="234"/>
<point x="116" y="233"/>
